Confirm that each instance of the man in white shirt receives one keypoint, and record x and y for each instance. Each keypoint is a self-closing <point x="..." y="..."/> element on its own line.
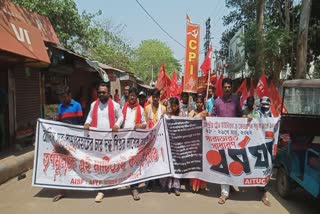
<point x="133" y="115"/>
<point x="104" y="114"/>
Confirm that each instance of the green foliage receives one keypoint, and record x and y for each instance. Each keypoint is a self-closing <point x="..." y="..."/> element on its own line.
<point x="101" y="40"/>
<point x="151" y="54"/>
<point x="278" y="40"/>
<point x="280" y="34"/>
<point x="110" y="48"/>
<point x="74" y="30"/>
<point x="316" y="71"/>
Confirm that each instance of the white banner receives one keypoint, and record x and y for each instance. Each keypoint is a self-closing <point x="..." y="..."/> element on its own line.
<point x="239" y="152"/>
<point x="223" y="150"/>
<point x="218" y="150"/>
<point x="69" y="157"/>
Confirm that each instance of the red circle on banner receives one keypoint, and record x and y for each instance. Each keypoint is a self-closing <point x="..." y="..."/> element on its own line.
<point x="213" y="157"/>
<point x="236" y="168"/>
<point x="105" y="158"/>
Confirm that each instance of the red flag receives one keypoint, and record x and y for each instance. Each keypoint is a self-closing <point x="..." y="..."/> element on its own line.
<point x="262" y="86"/>
<point x="219" y="91"/>
<point x="188" y="19"/>
<point x="174" y="88"/>
<point x="251" y="93"/>
<point x="243" y="90"/>
<point x="276" y="101"/>
<point x="206" y="65"/>
<point x="181" y="86"/>
<point x="163" y="80"/>
<point x="213" y="78"/>
<point x="242" y="87"/>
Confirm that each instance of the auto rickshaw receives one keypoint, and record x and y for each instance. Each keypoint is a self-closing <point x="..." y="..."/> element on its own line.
<point x="298" y="156"/>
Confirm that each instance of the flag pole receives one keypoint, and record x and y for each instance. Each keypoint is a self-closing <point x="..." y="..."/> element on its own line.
<point x="208" y="82"/>
<point x="209" y="73"/>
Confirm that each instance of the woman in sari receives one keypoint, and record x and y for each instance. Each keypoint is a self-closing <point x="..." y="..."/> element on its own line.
<point x="199" y="112"/>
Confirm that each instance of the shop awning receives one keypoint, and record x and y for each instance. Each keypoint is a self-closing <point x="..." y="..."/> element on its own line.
<point x="146" y="86"/>
<point x="21" y="38"/>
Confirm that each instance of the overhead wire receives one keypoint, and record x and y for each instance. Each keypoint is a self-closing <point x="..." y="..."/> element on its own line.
<point x="157" y="23"/>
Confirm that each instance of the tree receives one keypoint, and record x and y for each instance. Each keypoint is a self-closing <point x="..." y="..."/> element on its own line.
<point x="149" y="56"/>
<point x="74" y="30"/>
<point x="269" y="50"/>
<point x="260" y="65"/>
<point x="82" y="33"/>
<point x="302" y="45"/>
<point x="110" y="47"/>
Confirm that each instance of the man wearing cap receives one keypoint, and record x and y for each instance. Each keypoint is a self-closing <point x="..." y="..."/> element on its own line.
<point x="125" y="96"/>
<point x="143" y="99"/>
<point x="264" y="109"/>
<point x="264" y="112"/>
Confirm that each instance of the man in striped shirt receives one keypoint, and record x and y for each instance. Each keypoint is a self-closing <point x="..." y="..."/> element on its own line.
<point x="69" y="111"/>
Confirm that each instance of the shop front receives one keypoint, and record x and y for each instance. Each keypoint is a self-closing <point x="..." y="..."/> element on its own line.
<point x="22" y="56"/>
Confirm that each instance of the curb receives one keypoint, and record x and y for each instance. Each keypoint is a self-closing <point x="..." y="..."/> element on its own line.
<point x="13" y="166"/>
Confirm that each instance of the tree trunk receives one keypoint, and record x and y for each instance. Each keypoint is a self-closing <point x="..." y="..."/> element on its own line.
<point x="302" y="45"/>
<point x="260" y="66"/>
<point x="287" y="14"/>
<point x="278" y="65"/>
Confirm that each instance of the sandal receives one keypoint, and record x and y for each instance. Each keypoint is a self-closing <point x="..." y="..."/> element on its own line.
<point x="135" y="195"/>
<point x="99" y="197"/>
<point x="222" y="199"/>
<point x="266" y="201"/>
<point x="57" y="197"/>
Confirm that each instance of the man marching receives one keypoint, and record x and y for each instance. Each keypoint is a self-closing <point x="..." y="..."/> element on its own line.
<point x="104" y="114"/>
<point x="133" y="117"/>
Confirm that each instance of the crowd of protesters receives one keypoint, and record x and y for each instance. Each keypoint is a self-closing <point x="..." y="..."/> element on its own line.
<point x="136" y="110"/>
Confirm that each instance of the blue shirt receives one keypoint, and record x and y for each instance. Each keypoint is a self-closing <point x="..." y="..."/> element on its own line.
<point x="209" y="105"/>
<point x="71" y="113"/>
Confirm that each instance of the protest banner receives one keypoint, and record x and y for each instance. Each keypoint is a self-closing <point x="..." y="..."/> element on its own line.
<point x="218" y="150"/>
<point x="238" y="152"/>
<point x="69" y="157"/>
<point x="185" y="137"/>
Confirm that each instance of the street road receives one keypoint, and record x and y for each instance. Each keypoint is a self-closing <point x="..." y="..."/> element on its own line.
<point x="19" y="197"/>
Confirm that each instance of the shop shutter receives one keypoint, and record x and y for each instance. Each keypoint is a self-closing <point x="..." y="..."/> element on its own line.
<point x="27" y="85"/>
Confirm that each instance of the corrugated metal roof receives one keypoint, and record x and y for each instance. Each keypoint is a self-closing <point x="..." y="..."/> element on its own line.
<point x="302" y="83"/>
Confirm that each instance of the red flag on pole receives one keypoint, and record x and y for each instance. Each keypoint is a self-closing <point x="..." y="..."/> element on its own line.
<point x="181" y="86"/>
<point x="163" y="80"/>
<point x="242" y="86"/>
<point x="276" y="101"/>
<point x="243" y="90"/>
<point x="188" y="19"/>
<point x="262" y="86"/>
<point x="213" y="78"/>
<point x="251" y="93"/>
<point x="174" y="88"/>
<point x="206" y="65"/>
<point x="219" y="91"/>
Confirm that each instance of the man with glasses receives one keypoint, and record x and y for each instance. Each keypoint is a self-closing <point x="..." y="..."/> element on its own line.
<point x="104" y="114"/>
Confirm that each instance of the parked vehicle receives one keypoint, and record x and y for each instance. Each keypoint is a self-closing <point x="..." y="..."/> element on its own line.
<point x="298" y="156"/>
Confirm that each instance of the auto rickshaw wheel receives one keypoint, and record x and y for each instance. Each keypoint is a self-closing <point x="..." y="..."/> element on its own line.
<point x="283" y="183"/>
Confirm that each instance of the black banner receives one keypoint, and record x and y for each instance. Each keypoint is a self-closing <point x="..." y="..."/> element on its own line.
<point x="185" y="137"/>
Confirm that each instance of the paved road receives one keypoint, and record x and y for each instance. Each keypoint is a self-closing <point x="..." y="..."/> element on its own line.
<point x="20" y="197"/>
